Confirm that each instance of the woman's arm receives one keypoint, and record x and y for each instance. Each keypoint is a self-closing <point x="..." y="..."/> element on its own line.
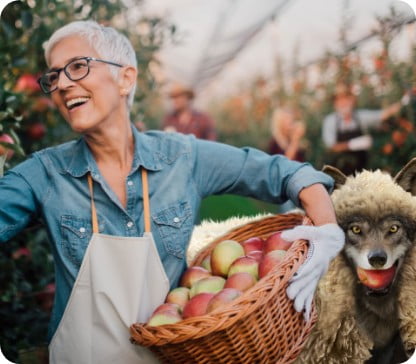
<point x="318" y="205"/>
<point x="218" y="168"/>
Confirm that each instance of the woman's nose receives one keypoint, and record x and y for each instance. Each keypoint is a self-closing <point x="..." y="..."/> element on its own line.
<point x="64" y="81"/>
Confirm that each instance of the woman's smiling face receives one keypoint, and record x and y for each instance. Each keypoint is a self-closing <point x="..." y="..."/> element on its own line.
<point x="89" y="103"/>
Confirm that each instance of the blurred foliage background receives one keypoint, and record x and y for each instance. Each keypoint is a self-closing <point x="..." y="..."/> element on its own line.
<point x="29" y="122"/>
<point x="377" y="81"/>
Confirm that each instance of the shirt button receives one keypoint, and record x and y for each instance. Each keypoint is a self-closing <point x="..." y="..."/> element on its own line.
<point x="129" y="224"/>
<point x="82" y="230"/>
<point x="130" y="183"/>
<point x="176" y="219"/>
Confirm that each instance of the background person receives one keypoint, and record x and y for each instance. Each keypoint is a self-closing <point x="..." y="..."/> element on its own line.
<point x="287" y="133"/>
<point x="128" y="200"/>
<point x="184" y="118"/>
<point x="346" y="131"/>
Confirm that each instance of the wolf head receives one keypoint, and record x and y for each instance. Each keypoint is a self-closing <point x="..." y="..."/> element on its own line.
<point x="378" y="215"/>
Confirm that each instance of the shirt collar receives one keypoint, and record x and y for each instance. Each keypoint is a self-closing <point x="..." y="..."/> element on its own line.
<point x="145" y="154"/>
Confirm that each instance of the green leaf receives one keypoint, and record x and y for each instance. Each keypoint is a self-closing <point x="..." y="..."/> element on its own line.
<point x="19" y="62"/>
<point x="10" y="99"/>
<point x="27" y="19"/>
<point x="8" y="30"/>
<point x="3" y="115"/>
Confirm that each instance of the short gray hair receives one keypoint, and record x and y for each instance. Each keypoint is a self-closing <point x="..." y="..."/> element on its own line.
<point x="110" y="44"/>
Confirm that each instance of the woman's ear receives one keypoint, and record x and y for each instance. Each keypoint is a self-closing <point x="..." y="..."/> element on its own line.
<point x="127" y="79"/>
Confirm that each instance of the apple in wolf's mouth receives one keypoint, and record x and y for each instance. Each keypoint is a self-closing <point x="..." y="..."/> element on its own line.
<point x="376" y="278"/>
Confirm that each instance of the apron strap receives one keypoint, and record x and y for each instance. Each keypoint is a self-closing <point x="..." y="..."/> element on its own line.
<point x="146" y="204"/>
<point x="93" y="210"/>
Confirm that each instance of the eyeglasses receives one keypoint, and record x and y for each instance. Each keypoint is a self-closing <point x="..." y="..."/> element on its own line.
<point x="75" y="70"/>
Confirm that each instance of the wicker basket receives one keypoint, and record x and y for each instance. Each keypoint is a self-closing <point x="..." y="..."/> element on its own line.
<point x="260" y="326"/>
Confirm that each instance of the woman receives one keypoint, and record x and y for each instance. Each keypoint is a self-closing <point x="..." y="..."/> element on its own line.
<point x="287" y="135"/>
<point x="93" y="196"/>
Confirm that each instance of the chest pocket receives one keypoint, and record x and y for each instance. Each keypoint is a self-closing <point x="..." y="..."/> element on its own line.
<point x="174" y="225"/>
<point x="76" y="234"/>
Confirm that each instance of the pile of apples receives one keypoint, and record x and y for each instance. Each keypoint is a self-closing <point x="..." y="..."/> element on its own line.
<point x="231" y="269"/>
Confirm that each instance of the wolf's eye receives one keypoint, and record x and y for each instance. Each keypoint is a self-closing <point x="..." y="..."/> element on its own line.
<point x="394" y="229"/>
<point x="355" y="229"/>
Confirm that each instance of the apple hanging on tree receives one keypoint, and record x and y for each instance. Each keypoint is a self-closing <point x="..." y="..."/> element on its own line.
<point x="6" y="138"/>
<point x="36" y="131"/>
<point x="27" y="83"/>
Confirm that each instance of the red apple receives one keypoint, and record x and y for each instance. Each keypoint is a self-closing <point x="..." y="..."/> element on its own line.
<point x="376" y="278"/>
<point x="164" y="317"/>
<point x="241" y="281"/>
<point x="256" y="254"/>
<point x="211" y="284"/>
<point x="276" y="242"/>
<point x="223" y="297"/>
<point x="42" y="104"/>
<point x="269" y="261"/>
<point x="22" y="252"/>
<point x="223" y="255"/>
<point x="178" y="295"/>
<point x="4" y="149"/>
<point x="245" y="264"/>
<point x="27" y="83"/>
<point x="167" y="307"/>
<point x="36" y="131"/>
<point x="251" y="244"/>
<point x="197" y="305"/>
<point x="45" y="297"/>
<point x="192" y="275"/>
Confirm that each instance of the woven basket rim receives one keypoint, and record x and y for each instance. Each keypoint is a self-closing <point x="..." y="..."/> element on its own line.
<point x="161" y="335"/>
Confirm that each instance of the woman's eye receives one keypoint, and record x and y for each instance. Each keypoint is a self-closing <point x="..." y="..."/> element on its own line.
<point x="394" y="229"/>
<point x="356" y="229"/>
<point x="78" y="65"/>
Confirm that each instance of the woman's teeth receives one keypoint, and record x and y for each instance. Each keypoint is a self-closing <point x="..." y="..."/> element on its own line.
<point x="76" y="102"/>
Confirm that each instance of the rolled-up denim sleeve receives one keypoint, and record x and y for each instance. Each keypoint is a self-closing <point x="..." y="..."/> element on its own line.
<point x="17" y="201"/>
<point x="220" y="168"/>
<point x="304" y="177"/>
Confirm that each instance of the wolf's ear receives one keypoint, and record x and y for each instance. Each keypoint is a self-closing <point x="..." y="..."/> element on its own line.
<point x="336" y="174"/>
<point x="406" y="178"/>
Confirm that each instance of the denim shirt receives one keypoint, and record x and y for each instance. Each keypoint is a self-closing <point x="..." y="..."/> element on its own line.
<point x="52" y="186"/>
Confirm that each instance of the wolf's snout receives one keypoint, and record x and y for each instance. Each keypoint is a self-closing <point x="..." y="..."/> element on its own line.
<point x="377" y="258"/>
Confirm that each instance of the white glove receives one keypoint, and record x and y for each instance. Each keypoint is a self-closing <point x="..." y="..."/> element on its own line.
<point x="325" y="242"/>
<point x="363" y="142"/>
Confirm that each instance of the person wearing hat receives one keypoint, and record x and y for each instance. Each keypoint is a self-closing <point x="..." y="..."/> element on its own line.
<point x="345" y="132"/>
<point x="186" y="119"/>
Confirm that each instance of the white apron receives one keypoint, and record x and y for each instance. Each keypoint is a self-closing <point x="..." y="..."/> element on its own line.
<point x="121" y="281"/>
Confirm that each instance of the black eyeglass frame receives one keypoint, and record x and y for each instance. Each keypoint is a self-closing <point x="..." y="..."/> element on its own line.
<point x="88" y="59"/>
